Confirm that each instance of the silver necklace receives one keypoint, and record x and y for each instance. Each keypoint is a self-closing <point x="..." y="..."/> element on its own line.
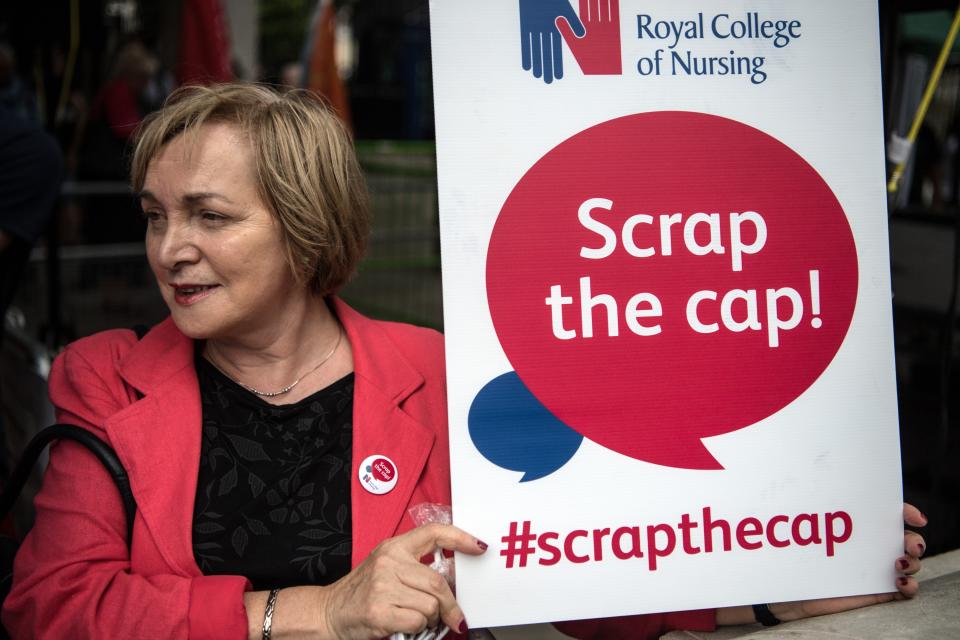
<point x="289" y="387"/>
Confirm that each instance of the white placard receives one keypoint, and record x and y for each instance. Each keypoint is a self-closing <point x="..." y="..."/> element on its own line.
<point x="667" y="304"/>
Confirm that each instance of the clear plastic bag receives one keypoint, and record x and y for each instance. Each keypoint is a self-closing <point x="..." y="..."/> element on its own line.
<point x="432" y="513"/>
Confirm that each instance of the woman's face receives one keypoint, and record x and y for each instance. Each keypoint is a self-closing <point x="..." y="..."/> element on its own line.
<point x="216" y="250"/>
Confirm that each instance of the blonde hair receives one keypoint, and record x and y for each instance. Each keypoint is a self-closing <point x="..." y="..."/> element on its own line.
<point x="305" y="167"/>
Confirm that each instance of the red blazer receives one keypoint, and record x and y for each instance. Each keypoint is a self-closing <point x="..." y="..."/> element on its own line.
<point x="75" y="575"/>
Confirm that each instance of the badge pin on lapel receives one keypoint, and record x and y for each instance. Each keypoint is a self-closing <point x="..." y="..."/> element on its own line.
<point x="378" y="474"/>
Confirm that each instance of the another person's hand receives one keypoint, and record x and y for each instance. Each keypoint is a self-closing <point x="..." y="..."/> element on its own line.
<point x="906" y="585"/>
<point x="392" y="591"/>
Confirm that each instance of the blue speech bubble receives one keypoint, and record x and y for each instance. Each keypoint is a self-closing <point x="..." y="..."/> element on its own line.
<point x="510" y="427"/>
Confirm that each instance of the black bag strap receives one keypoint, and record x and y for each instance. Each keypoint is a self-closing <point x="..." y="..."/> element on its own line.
<point x="98" y="447"/>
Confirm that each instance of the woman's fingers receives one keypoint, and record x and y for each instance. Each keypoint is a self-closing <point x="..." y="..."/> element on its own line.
<point x="425" y="605"/>
<point x="431" y="585"/>
<point x="912" y="516"/>
<point x="425" y="539"/>
<point x="913" y="548"/>
<point x="372" y="601"/>
<point x="392" y="591"/>
<point x="913" y="544"/>
<point x="907" y="586"/>
<point x="908" y="565"/>
<point x="408" y="621"/>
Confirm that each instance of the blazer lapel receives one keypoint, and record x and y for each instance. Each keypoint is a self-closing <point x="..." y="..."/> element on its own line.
<point x="158" y="440"/>
<point x="383" y="380"/>
<point x="382" y="428"/>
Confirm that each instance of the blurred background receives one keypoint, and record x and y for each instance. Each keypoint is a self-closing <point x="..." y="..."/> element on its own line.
<point x="86" y="73"/>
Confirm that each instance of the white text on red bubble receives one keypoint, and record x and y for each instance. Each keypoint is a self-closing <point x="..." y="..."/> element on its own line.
<point x="739" y="309"/>
<point x="665" y="223"/>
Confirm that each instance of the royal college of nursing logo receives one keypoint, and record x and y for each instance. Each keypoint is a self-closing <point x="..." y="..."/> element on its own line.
<point x="593" y="37"/>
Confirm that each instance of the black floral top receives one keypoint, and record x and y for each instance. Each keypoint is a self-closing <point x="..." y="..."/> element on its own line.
<point x="273" y="492"/>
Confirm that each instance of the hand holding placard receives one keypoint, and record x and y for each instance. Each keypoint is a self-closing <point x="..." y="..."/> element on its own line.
<point x="392" y="591"/>
<point x="906" y="585"/>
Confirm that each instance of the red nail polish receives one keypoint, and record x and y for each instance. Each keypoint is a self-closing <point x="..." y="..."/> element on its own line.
<point x="902" y="581"/>
<point x="921" y="547"/>
<point x="447" y="553"/>
<point x="482" y="545"/>
<point x="903" y="562"/>
<point x="462" y="629"/>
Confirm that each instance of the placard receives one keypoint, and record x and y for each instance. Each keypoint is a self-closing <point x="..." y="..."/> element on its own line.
<point x="667" y="304"/>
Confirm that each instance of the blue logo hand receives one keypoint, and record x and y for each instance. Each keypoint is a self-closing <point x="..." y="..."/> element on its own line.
<point x="540" y="42"/>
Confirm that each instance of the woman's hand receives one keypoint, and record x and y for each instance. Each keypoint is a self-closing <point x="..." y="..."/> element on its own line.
<point x="392" y="591"/>
<point x="913" y="549"/>
<point x="906" y="585"/>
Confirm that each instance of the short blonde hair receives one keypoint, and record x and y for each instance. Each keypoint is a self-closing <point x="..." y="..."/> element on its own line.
<point x="306" y="169"/>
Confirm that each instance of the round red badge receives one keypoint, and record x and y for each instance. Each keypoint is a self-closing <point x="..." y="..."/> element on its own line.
<point x="378" y="474"/>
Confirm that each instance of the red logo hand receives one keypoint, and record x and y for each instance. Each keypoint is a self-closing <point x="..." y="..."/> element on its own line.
<point x="598" y="51"/>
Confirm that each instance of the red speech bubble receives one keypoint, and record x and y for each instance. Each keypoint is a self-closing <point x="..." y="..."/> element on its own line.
<point x="665" y="277"/>
<point x="383" y="470"/>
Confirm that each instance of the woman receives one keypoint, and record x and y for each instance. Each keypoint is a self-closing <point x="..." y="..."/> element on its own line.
<point x="244" y="419"/>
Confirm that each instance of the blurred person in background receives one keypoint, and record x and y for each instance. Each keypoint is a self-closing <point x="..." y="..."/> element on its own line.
<point x="15" y="98"/>
<point x="131" y="92"/>
<point x="117" y="111"/>
<point x="31" y="170"/>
